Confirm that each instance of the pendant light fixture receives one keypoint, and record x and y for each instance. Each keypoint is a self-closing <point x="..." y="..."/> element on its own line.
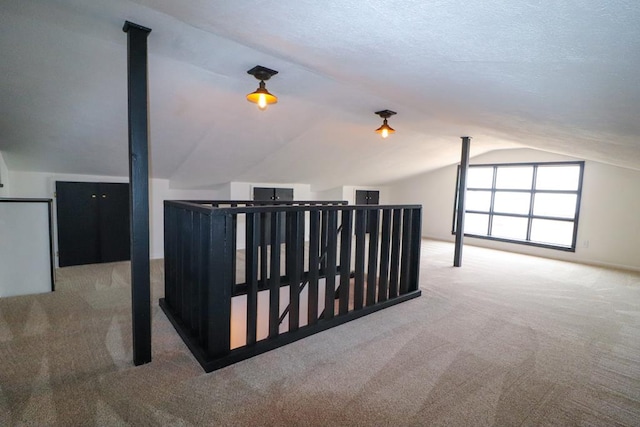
<point x="385" y="130"/>
<point x="261" y="96"/>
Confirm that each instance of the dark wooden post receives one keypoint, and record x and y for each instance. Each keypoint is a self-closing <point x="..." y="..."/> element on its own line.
<point x="462" y="192"/>
<point x="139" y="190"/>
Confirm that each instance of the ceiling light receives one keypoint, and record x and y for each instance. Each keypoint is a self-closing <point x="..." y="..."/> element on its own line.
<point x="385" y="129"/>
<point x="261" y="96"/>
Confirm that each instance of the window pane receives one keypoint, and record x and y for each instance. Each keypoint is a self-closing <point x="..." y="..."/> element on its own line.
<point x="560" y="205"/>
<point x="476" y="224"/>
<point x="514" y="177"/>
<point x="509" y="202"/>
<point x="509" y="227"/>
<point x="479" y="177"/>
<point x="553" y="232"/>
<point x="478" y="200"/>
<point x="558" y="177"/>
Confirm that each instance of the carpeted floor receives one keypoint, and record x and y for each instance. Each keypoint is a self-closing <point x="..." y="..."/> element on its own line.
<point x="505" y="340"/>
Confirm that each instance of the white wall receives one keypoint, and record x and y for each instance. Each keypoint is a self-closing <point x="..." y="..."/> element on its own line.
<point x="330" y="194"/>
<point x="609" y="224"/>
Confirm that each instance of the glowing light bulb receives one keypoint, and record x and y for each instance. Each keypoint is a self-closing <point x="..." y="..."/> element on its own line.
<point x="385" y="133"/>
<point x="262" y="102"/>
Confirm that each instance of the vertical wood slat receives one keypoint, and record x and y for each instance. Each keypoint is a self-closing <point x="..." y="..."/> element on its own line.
<point x="220" y="285"/>
<point x="324" y="237"/>
<point x="176" y="257"/>
<point x="394" y="274"/>
<point x="234" y="248"/>
<point x="330" y="262"/>
<point x="169" y="251"/>
<point x="293" y="268"/>
<point x="372" y="270"/>
<point x="182" y="238"/>
<point x="358" y="290"/>
<point x="204" y="278"/>
<point x="187" y="269"/>
<point x="405" y="269"/>
<point x="385" y="240"/>
<point x="416" y="233"/>
<point x="314" y="266"/>
<point x="251" y="273"/>
<point x="345" y="260"/>
<point x="274" y="280"/>
<point x="300" y="249"/>
<point x="195" y="273"/>
<point x="264" y="260"/>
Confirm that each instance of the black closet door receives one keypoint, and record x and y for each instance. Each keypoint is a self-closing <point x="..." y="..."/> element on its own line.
<point x="263" y="194"/>
<point x="374" y="197"/>
<point x="283" y="194"/>
<point x="78" y="230"/>
<point x="361" y="197"/>
<point x="114" y="222"/>
<point x="93" y="222"/>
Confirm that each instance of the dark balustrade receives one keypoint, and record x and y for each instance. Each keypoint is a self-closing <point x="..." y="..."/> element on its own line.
<point x="334" y="263"/>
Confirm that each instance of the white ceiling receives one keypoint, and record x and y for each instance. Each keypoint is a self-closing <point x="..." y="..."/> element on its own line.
<point x="556" y="76"/>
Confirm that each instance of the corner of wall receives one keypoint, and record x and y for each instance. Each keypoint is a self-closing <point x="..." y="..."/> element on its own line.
<point x="4" y="178"/>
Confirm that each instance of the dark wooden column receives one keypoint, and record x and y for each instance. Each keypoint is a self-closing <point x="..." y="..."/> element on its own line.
<point x="139" y="190"/>
<point x="462" y="192"/>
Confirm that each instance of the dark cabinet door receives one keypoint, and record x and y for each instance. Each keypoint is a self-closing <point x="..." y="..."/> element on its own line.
<point x="367" y="197"/>
<point x="93" y="222"/>
<point x="374" y="197"/>
<point x="265" y="194"/>
<point x="78" y="230"/>
<point x="113" y="210"/>
<point x="283" y="194"/>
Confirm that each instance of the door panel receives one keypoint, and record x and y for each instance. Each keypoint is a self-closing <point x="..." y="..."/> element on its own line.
<point x="361" y="197"/>
<point x="374" y="197"/>
<point x="78" y="232"/>
<point x="283" y="194"/>
<point x="115" y="232"/>
<point x="263" y="194"/>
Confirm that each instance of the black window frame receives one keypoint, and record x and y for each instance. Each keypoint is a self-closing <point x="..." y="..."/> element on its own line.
<point x="530" y="216"/>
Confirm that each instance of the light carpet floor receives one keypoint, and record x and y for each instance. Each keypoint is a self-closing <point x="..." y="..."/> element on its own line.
<point x="506" y="340"/>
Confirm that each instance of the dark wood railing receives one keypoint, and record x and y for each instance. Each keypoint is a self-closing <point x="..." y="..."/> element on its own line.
<point x="236" y="285"/>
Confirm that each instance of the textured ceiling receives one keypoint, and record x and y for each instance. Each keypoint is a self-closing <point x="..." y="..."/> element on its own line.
<point x="557" y="76"/>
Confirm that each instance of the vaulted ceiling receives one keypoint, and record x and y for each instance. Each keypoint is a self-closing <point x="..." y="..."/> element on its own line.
<point x="556" y="76"/>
